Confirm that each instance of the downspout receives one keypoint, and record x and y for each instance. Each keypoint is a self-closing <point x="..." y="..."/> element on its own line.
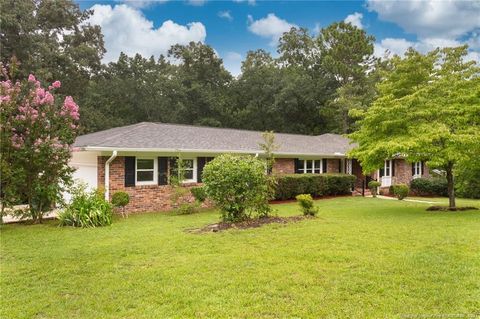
<point x="107" y="175"/>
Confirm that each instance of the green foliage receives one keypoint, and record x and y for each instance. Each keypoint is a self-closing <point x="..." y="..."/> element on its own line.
<point x="289" y="186"/>
<point x="306" y="203"/>
<point x="429" y="186"/>
<point x="188" y="208"/>
<point x="374" y="185"/>
<point x="468" y="180"/>
<point x="120" y="199"/>
<point x="400" y="190"/>
<point x="428" y="109"/>
<point x="238" y="186"/>
<point x="199" y="193"/>
<point x="87" y="209"/>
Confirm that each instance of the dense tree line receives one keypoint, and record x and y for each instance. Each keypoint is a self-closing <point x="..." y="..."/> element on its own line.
<point x="308" y="88"/>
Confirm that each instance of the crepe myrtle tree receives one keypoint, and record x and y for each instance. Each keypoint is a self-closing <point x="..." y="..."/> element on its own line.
<point x="38" y="129"/>
<point x="428" y="109"/>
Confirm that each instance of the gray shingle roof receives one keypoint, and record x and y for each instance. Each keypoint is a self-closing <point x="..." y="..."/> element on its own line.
<point x="178" y="137"/>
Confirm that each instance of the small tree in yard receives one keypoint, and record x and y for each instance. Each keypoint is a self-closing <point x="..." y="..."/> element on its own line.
<point x="428" y="109"/>
<point x="238" y="186"/>
<point x="37" y="132"/>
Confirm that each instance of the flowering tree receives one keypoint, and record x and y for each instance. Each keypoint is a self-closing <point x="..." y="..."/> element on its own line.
<point x="37" y="132"/>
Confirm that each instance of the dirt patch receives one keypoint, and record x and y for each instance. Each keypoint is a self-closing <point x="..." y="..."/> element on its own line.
<point x="447" y="209"/>
<point x="251" y="223"/>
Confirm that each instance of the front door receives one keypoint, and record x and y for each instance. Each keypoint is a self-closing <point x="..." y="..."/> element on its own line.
<point x="385" y="174"/>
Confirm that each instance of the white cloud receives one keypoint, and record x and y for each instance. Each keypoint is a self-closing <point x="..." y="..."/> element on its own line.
<point x="141" y="3"/>
<point x="430" y="18"/>
<point x="393" y="46"/>
<point x="250" y="2"/>
<point x="233" y="62"/>
<point x="317" y="28"/>
<point x="197" y="3"/>
<point x="269" y="27"/>
<point x="355" y="19"/>
<point x="225" y="15"/>
<point x="126" y="29"/>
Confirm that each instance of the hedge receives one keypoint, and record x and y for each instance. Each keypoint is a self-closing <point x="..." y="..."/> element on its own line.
<point x="289" y="186"/>
<point x="429" y="186"/>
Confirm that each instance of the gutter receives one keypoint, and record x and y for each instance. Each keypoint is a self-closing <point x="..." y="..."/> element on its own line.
<point x="107" y="175"/>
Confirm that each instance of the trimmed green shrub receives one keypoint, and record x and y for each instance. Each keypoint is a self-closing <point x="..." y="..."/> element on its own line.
<point x="429" y="186"/>
<point x="306" y="203"/>
<point x="400" y="190"/>
<point x="199" y="193"/>
<point x="87" y="209"/>
<point x="238" y="185"/>
<point x="120" y="199"/>
<point x="188" y="208"/>
<point x="291" y="185"/>
<point x="374" y="185"/>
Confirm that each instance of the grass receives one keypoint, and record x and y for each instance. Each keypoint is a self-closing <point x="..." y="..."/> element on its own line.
<point x="361" y="258"/>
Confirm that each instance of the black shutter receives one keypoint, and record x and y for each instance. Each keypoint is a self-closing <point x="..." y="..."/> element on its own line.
<point x="162" y="170"/>
<point x="172" y="166"/>
<point x="297" y="166"/>
<point x="201" y="161"/>
<point x="393" y="167"/>
<point x="423" y="167"/>
<point x="413" y="169"/>
<point x="129" y="171"/>
<point x="324" y="165"/>
<point x="339" y="165"/>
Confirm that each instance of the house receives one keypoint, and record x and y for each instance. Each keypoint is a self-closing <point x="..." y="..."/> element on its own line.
<point x="139" y="158"/>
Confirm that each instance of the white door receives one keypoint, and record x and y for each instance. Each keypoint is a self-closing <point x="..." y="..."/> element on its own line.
<point x="386" y="174"/>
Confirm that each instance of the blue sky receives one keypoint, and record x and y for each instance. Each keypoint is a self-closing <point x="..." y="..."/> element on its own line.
<point x="234" y="27"/>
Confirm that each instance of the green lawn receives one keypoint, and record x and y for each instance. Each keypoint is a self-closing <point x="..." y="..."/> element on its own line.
<point x="362" y="257"/>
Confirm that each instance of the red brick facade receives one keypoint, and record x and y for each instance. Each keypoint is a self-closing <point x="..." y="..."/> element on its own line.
<point x="284" y="166"/>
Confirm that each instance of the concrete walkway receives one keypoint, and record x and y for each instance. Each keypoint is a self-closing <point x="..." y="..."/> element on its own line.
<point x="405" y="200"/>
<point x="14" y="219"/>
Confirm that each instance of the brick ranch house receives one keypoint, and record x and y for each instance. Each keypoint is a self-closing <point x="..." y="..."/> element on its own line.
<point x="138" y="158"/>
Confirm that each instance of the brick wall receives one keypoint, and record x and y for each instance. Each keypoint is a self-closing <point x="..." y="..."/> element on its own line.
<point x="142" y="198"/>
<point x="333" y="165"/>
<point x="284" y="166"/>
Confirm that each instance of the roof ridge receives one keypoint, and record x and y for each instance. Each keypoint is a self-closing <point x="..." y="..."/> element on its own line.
<point x="133" y="127"/>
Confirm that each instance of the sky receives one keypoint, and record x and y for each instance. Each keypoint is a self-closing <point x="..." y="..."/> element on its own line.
<point x="234" y="27"/>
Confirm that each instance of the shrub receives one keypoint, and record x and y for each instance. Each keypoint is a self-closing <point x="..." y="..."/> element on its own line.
<point x="400" y="191"/>
<point x="87" y="209"/>
<point x="306" y="203"/>
<point x="374" y="185"/>
<point x="238" y="185"/>
<point x="468" y="180"/>
<point x="199" y="193"/>
<point x="120" y="200"/>
<point x="429" y="186"/>
<point x="289" y="186"/>
<point x="188" y="208"/>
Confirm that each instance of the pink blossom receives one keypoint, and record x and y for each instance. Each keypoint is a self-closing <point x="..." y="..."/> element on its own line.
<point x="31" y="78"/>
<point x="73" y="126"/>
<point x="6" y="84"/>
<point x="5" y="98"/>
<point x="48" y="99"/>
<point x="56" y="84"/>
<point x="71" y="108"/>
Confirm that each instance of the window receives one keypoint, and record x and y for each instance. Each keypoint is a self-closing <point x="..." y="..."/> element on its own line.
<point x="417" y="169"/>
<point x="145" y="171"/>
<point x="387" y="169"/>
<point x="310" y="166"/>
<point x="189" y="171"/>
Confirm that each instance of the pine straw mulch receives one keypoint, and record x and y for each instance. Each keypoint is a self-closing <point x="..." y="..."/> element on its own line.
<point x="449" y="209"/>
<point x="250" y="223"/>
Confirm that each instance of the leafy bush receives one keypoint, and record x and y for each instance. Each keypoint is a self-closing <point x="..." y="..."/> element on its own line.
<point x="289" y="186"/>
<point x="306" y="203"/>
<point x="199" y="193"/>
<point x="188" y="208"/>
<point x="429" y="186"/>
<point x="374" y="185"/>
<point x="120" y="199"/>
<point x="238" y="185"/>
<point x="87" y="209"/>
<point x="468" y="180"/>
<point x="400" y="191"/>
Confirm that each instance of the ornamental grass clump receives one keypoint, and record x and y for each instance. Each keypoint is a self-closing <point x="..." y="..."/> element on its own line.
<point x="87" y="209"/>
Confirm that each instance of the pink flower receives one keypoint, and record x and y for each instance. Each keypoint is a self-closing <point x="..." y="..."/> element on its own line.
<point x="48" y="99"/>
<point x="31" y="78"/>
<point x="56" y="84"/>
<point x="70" y="107"/>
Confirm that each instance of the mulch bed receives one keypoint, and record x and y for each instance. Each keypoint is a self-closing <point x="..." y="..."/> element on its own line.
<point x="447" y="209"/>
<point x="251" y="223"/>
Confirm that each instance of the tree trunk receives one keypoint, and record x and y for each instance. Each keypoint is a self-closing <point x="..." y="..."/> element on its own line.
<point x="451" y="186"/>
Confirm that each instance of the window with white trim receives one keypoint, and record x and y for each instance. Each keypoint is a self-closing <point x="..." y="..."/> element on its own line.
<point x="189" y="168"/>
<point x="145" y="172"/>
<point x="417" y="169"/>
<point x="310" y="166"/>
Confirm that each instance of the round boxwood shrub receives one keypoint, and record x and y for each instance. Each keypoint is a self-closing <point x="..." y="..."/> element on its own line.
<point x="374" y="185"/>
<point x="238" y="186"/>
<point x="120" y="199"/>
<point x="400" y="191"/>
<point x="306" y="203"/>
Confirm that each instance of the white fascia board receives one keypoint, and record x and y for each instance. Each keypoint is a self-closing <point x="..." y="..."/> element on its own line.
<point x="204" y="151"/>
